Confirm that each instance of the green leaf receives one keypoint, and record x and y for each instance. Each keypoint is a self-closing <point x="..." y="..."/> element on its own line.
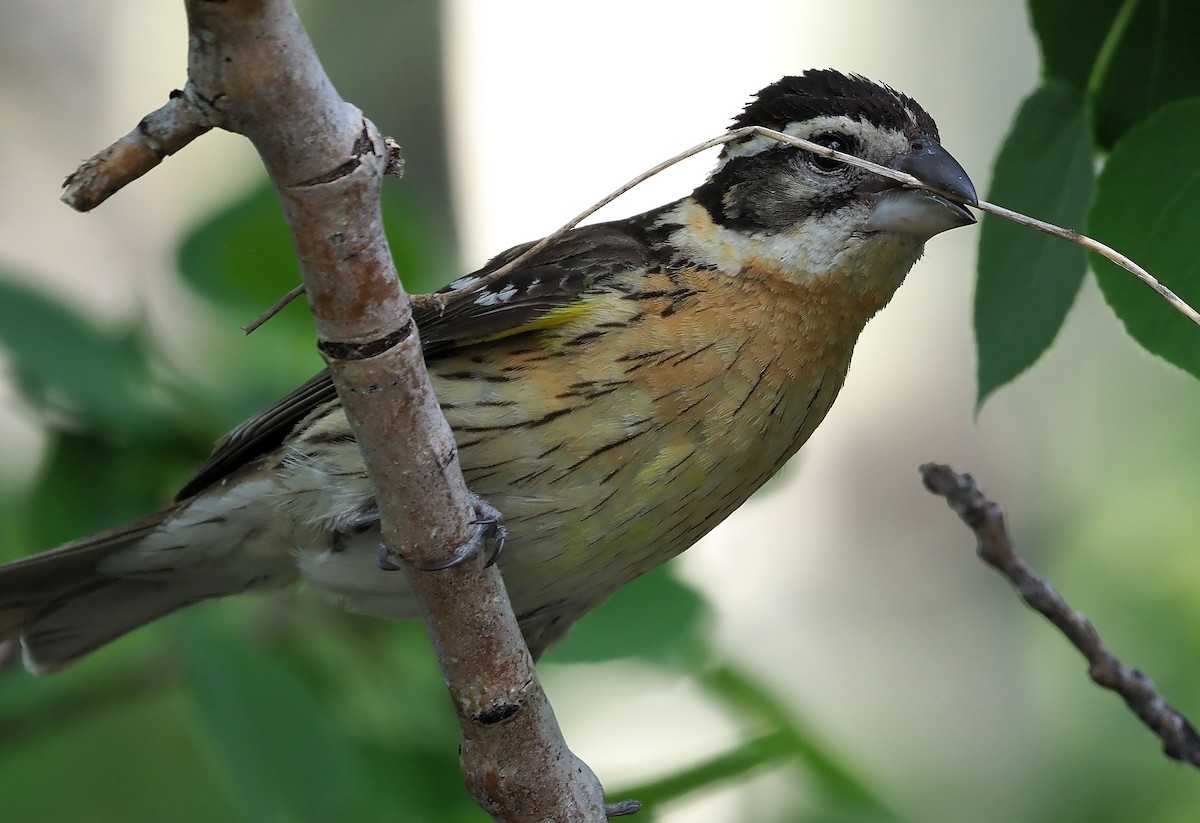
<point x="1148" y="207"/>
<point x="1155" y="62"/>
<point x="65" y="361"/>
<point x="130" y="761"/>
<point x="656" y="618"/>
<point x="1071" y="34"/>
<point x="423" y="265"/>
<point x="241" y="259"/>
<point x="786" y="739"/>
<point x="283" y="754"/>
<point x="1132" y="56"/>
<point x="1028" y="280"/>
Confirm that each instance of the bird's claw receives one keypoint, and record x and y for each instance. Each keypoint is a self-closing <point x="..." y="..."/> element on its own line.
<point x="488" y="538"/>
<point x="383" y="559"/>
<point x="623" y="809"/>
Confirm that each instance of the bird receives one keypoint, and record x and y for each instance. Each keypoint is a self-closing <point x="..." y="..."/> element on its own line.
<point x="615" y="396"/>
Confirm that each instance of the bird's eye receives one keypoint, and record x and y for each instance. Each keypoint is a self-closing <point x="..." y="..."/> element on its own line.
<point x="830" y="140"/>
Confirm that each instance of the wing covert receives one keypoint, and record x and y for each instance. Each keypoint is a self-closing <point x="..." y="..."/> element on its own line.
<point x="533" y="296"/>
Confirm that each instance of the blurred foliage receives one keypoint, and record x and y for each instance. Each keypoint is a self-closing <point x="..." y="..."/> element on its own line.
<point x="1121" y="84"/>
<point x="82" y="371"/>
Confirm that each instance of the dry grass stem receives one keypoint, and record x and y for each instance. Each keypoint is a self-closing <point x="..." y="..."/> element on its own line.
<point x="901" y="177"/>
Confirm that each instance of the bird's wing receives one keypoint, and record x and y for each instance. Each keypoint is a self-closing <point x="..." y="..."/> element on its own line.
<point x="537" y="295"/>
<point x="261" y="433"/>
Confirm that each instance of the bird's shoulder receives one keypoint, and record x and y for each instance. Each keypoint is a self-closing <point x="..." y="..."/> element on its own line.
<point x="544" y="288"/>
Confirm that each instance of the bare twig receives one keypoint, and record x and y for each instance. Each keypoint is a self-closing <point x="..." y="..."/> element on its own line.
<point x="251" y="64"/>
<point x="276" y="307"/>
<point x="395" y="168"/>
<point x="986" y="519"/>
<point x="160" y="134"/>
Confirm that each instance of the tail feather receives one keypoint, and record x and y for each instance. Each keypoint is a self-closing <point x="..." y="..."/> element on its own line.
<point x="58" y="568"/>
<point x="85" y="620"/>
<point x="62" y="607"/>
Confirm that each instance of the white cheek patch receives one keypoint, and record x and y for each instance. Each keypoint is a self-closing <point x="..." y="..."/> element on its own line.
<point x="804" y="251"/>
<point x="812" y="249"/>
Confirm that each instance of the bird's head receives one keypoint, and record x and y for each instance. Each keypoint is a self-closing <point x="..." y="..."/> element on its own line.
<point x="822" y="212"/>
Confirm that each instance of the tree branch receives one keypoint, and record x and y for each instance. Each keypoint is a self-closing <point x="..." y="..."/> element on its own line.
<point x="986" y="519"/>
<point x="159" y="135"/>
<point x="252" y="70"/>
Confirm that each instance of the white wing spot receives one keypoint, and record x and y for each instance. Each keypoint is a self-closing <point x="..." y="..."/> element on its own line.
<point x="494" y="298"/>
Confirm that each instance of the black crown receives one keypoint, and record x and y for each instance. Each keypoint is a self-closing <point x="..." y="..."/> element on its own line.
<point x="825" y="92"/>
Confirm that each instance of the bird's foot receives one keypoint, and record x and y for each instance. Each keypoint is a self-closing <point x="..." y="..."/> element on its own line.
<point x="488" y="539"/>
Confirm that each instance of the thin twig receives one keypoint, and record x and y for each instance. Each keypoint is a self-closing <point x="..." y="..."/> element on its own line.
<point x="275" y="309"/>
<point x="986" y="519"/>
<point x="635" y="182"/>
<point x="1069" y="235"/>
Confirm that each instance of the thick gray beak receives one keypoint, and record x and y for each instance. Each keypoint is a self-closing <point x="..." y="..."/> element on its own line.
<point x="916" y="211"/>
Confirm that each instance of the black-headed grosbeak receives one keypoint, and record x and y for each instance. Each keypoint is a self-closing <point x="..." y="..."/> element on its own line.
<point x="616" y="396"/>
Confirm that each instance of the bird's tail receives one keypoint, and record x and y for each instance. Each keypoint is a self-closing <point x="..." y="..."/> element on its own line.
<point x="62" y="606"/>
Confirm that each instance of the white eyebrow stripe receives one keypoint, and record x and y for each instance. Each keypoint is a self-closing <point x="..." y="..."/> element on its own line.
<point x="797" y="128"/>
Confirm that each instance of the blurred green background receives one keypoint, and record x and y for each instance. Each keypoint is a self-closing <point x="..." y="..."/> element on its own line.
<point x="833" y="652"/>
